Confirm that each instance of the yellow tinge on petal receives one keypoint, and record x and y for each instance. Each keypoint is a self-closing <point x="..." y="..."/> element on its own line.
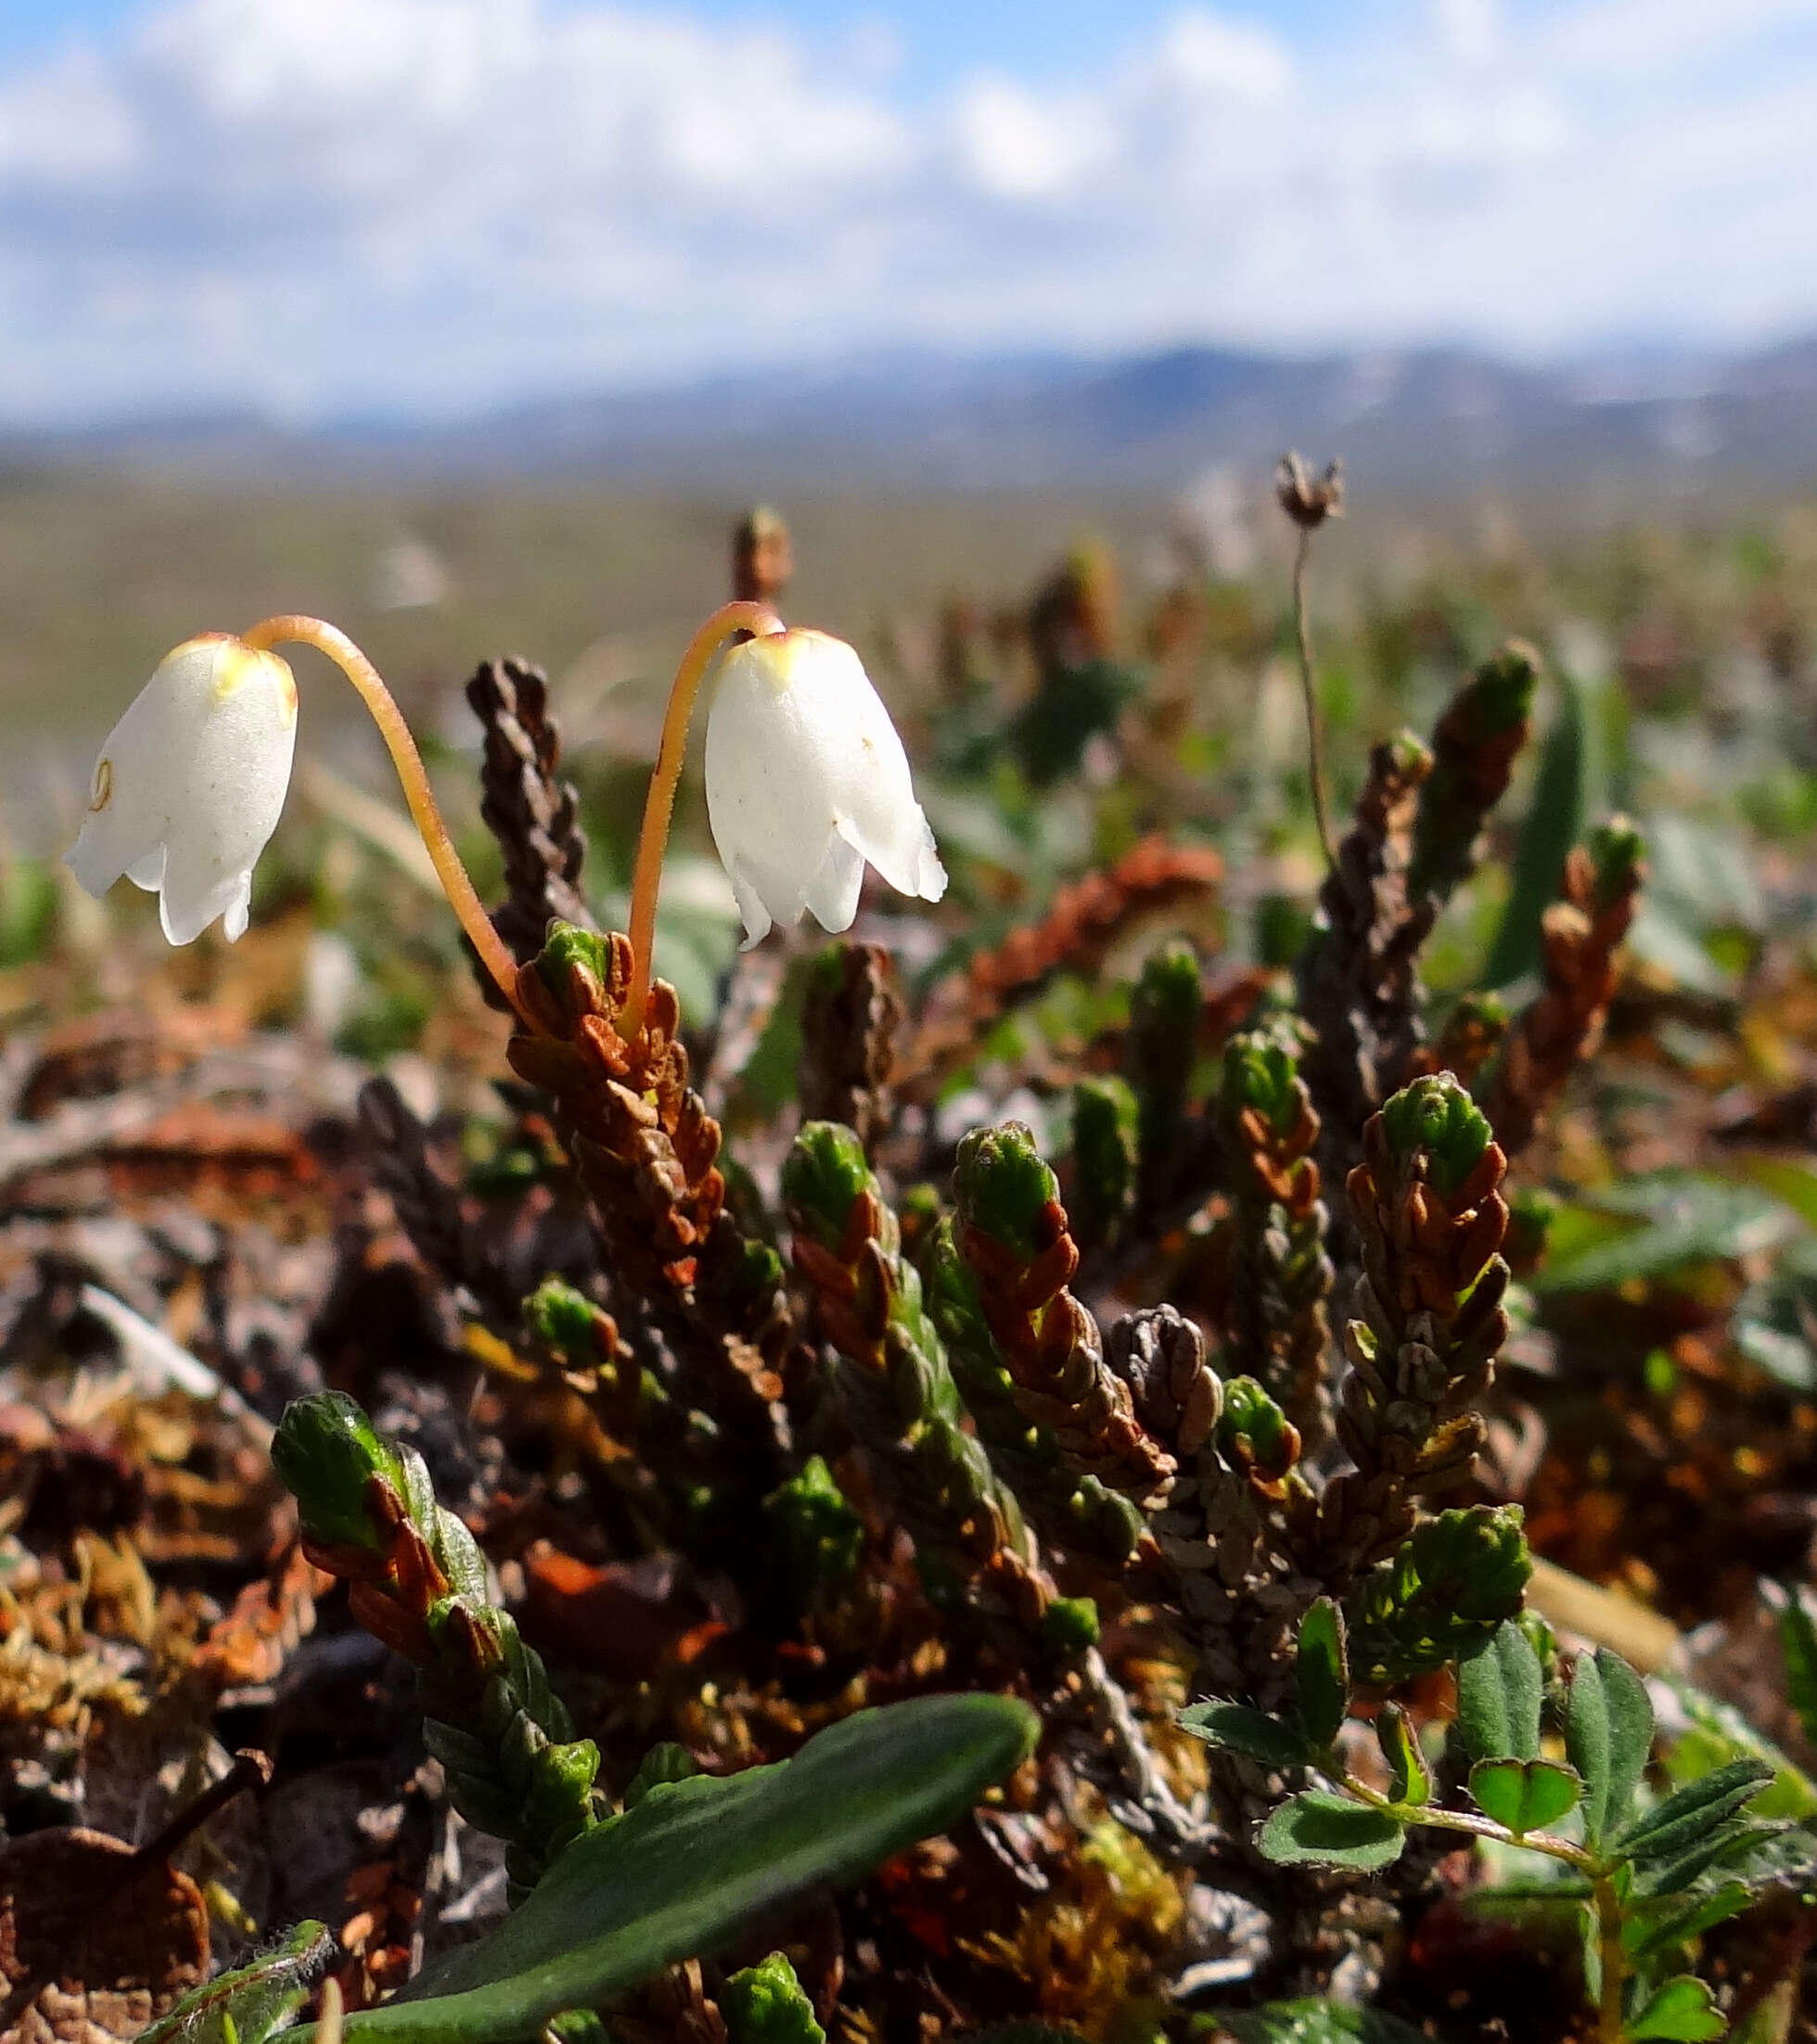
<point x="238" y="663"/>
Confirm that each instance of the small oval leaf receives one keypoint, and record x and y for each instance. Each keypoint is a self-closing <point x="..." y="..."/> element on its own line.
<point x="1500" y="1686"/>
<point x="1253" y="1733"/>
<point x="1587" y="1742"/>
<point x="1319" y="1828"/>
<point x="1321" y="1672"/>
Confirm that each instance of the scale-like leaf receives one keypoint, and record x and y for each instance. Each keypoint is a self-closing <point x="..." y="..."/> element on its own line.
<point x="1500" y="1686"/>
<point x="1253" y="1733"/>
<point x="1684" y="2011"/>
<point x="1524" y="1794"/>
<point x="1321" y="1672"/>
<point x="696" y="1860"/>
<point x="1318" y="1829"/>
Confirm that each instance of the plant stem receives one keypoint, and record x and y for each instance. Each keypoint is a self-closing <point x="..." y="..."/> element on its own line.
<point x="1546" y="1842"/>
<point x="463" y="898"/>
<point x="1603" y="1899"/>
<point x="1308" y="685"/>
<point x="1608" y="1946"/>
<point x="659" y="804"/>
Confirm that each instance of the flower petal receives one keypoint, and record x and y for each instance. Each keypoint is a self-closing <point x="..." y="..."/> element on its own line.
<point x="833" y="892"/>
<point x="758" y="920"/>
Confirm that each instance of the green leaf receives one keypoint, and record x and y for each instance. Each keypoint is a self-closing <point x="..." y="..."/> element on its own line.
<point x="1718" y="1733"/>
<point x="1587" y="1742"/>
<point x="1319" y="1828"/>
<point x="1798" y="1644"/>
<point x="1630" y="1711"/>
<point x="1525" y="1795"/>
<point x="1567" y="789"/>
<point x="1684" y="2010"/>
<point x="1646" y="1935"/>
<point x="1322" y="1675"/>
<point x="1693" y="1810"/>
<point x="678" y="1875"/>
<point x="1721" y="1846"/>
<point x="1408" y="1779"/>
<point x="1253" y="1733"/>
<point x="1315" y="2020"/>
<point x="1684" y="1218"/>
<point x="251" y="2002"/>
<point x="1500" y="1686"/>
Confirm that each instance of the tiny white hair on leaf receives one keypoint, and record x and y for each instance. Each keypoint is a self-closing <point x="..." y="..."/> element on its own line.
<point x="190" y="784"/>
<point x="807" y="782"/>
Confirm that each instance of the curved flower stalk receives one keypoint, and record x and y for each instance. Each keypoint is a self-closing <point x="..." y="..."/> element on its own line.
<point x="191" y="782"/>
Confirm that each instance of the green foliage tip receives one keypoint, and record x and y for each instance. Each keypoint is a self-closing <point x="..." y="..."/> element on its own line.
<point x="1003" y="1185"/>
<point x="1261" y="1071"/>
<point x="326" y="1453"/>
<point x="565" y="1320"/>
<point x="569" y="948"/>
<point x="822" y="1538"/>
<point x="766" y="2004"/>
<point x="824" y="1172"/>
<point x="1503" y="687"/>
<point x="1616" y="849"/>
<point x="1251" y="1417"/>
<point x="1437" y="1116"/>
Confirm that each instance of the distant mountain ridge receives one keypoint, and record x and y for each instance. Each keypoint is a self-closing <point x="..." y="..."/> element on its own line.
<point x="1427" y="421"/>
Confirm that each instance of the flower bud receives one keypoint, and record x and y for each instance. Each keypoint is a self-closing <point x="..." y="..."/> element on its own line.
<point x="806" y="781"/>
<point x="190" y="784"/>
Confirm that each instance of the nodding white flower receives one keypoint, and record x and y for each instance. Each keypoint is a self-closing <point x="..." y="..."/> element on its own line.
<point x="806" y="781"/>
<point x="190" y="783"/>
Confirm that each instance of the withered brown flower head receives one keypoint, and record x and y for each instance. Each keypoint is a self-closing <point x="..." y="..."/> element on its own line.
<point x="762" y="556"/>
<point x="1306" y="499"/>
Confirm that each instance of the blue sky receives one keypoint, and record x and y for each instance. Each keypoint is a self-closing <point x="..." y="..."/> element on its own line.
<point x="436" y="205"/>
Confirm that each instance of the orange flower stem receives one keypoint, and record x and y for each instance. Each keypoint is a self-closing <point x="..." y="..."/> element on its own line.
<point x="659" y="804"/>
<point x="455" y="883"/>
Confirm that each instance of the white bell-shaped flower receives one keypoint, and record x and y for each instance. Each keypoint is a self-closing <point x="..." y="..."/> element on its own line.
<point x="806" y="781"/>
<point x="190" y="783"/>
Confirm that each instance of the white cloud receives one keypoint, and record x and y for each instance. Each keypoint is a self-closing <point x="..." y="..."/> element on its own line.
<point x="316" y="204"/>
<point x="1469" y="30"/>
